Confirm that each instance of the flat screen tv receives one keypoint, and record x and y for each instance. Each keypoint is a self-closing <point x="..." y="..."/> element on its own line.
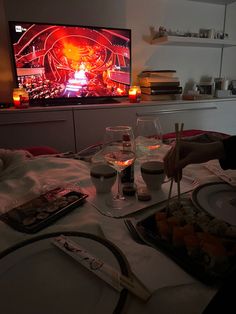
<point x="69" y="64"/>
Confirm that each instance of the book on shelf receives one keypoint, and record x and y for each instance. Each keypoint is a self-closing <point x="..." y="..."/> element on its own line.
<point x="160" y="97"/>
<point x="157" y="73"/>
<point x="159" y="84"/>
<point x="158" y="90"/>
<point x="159" y="79"/>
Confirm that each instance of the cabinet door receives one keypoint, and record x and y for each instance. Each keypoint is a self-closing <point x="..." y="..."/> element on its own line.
<point x="226" y="116"/>
<point x="90" y="124"/>
<point x="44" y="128"/>
<point x="201" y="116"/>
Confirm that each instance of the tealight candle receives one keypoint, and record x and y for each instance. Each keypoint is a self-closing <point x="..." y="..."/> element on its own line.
<point x="134" y="94"/>
<point x="20" y="98"/>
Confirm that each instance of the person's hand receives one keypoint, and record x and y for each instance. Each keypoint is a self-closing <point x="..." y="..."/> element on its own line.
<point x="190" y="153"/>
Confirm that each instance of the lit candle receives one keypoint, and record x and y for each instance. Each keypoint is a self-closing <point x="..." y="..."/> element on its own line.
<point x="16" y="101"/>
<point x="134" y="94"/>
<point x="20" y="98"/>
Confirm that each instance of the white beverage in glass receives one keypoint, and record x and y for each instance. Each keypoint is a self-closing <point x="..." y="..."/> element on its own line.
<point x="146" y="145"/>
<point x="119" y="160"/>
<point x="148" y="136"/>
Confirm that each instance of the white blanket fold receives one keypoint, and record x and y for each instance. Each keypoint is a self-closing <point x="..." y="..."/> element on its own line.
<point x="23" y="178"/>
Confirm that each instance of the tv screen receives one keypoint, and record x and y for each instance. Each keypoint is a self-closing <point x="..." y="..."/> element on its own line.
<point x="67" y="64"/>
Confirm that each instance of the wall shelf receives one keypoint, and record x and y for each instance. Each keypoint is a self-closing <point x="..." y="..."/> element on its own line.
<point x="215" y="1"/>
<point x="192" y="41"/>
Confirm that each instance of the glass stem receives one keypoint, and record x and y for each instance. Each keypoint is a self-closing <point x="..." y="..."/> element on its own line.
<point x="119" y="192"/>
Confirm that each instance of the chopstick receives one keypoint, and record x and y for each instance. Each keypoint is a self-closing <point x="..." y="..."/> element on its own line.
<point x="178" y="137"/>
<point x="178" y="134"/>
<point x="169" y="195"/>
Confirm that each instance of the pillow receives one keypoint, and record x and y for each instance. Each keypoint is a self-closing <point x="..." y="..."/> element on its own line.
<point x="41" y="150"/>
<point x="196" y="136"/>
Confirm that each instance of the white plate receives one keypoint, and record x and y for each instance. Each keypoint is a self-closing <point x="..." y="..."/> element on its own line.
<point x="218" y="199"/>
<point x="38" y="278"/>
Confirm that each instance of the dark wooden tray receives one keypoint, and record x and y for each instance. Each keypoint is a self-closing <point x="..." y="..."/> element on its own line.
<point x="150" y="233"/>
<point x="49" y="207"/>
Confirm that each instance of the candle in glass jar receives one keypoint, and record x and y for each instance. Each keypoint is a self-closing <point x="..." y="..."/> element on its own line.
<point x="134" y="94"/>
<point x="20" y="98"/>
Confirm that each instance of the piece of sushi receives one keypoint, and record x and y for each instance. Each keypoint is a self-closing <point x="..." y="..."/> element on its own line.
<point x="163" y="229"/>
<point x="192" y="244"/>
<point x="160" y="216"/>
<point x="215" y="257"/>
<point x="175" y="221"/>
<point x="179" y="232"/>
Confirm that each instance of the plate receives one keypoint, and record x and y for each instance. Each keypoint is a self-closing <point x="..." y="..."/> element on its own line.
<point x="36" y="277"/>
<point x="218" y="199"/>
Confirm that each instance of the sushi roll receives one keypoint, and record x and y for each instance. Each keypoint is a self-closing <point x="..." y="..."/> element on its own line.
<point x="163" y="229"/>
<point x="160" y="216"/>
<point x="192" y="244"/>
<point x="179" y="233"/>
<point x="215" y="257"/>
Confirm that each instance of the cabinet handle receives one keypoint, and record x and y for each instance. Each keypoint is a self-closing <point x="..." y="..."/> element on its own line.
<point x="32" y="122"/>
<point x="165" y="111"/>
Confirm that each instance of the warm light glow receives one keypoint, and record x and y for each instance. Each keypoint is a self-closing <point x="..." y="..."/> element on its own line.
<point x="153" y="147"/>
<point x="20" y="98"/>
<point x="134" y="94"/>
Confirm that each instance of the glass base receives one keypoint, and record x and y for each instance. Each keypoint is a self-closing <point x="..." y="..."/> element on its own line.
<point x="117" y="203"/>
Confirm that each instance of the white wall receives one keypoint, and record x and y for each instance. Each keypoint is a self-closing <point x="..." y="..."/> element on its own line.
<point x="191" y="63"/>
<point x="229" y="55"/>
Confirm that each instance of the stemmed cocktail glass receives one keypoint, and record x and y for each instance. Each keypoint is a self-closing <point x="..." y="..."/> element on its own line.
<point x="119" y="153"/>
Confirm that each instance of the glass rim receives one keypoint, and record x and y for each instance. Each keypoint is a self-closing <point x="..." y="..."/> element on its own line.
<point x="119" y="128"/>
<point x="147" y="118"/>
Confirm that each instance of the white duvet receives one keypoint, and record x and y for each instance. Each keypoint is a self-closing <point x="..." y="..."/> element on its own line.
<point x="23" y="177"/>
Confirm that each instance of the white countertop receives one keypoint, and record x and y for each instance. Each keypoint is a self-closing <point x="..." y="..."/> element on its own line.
<point x="122" y="104"/>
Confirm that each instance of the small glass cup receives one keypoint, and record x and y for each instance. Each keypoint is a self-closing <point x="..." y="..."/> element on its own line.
<point x="134" y="94"/>
<point x="20" y="98"/>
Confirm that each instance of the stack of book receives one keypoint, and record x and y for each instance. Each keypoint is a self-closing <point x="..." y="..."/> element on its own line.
<point x="160" y="85"/>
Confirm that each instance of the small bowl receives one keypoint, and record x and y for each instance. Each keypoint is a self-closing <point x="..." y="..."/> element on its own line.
<point x="103" y="178"/>
<point x="153" y="174"/>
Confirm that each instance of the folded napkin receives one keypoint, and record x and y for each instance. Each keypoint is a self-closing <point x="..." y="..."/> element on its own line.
<point x="152" y="267"/>
<point x="184" y="299"/>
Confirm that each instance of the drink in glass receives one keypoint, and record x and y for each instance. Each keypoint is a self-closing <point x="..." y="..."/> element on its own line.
<point x="118" y="156"/>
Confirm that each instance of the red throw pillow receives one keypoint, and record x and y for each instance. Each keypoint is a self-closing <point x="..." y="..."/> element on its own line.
<point x="41" y="150"/>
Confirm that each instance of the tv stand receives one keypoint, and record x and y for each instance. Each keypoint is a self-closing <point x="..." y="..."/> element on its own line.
<point x="78" y="101"/>
<point x="94" y="101"/>
<point x="75" y="127"/>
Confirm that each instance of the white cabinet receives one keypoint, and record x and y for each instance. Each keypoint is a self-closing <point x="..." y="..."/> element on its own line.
<point x="194" y="116"/>
<point x="90" y="124"/>
<point x="32" y="127"/>
<point x="212" y="115"/>
<point x="77" y="127"/>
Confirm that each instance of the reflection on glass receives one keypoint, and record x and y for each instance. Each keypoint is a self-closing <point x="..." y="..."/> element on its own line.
<point x="119" y="153"/>
<point x="148" y="136"/>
